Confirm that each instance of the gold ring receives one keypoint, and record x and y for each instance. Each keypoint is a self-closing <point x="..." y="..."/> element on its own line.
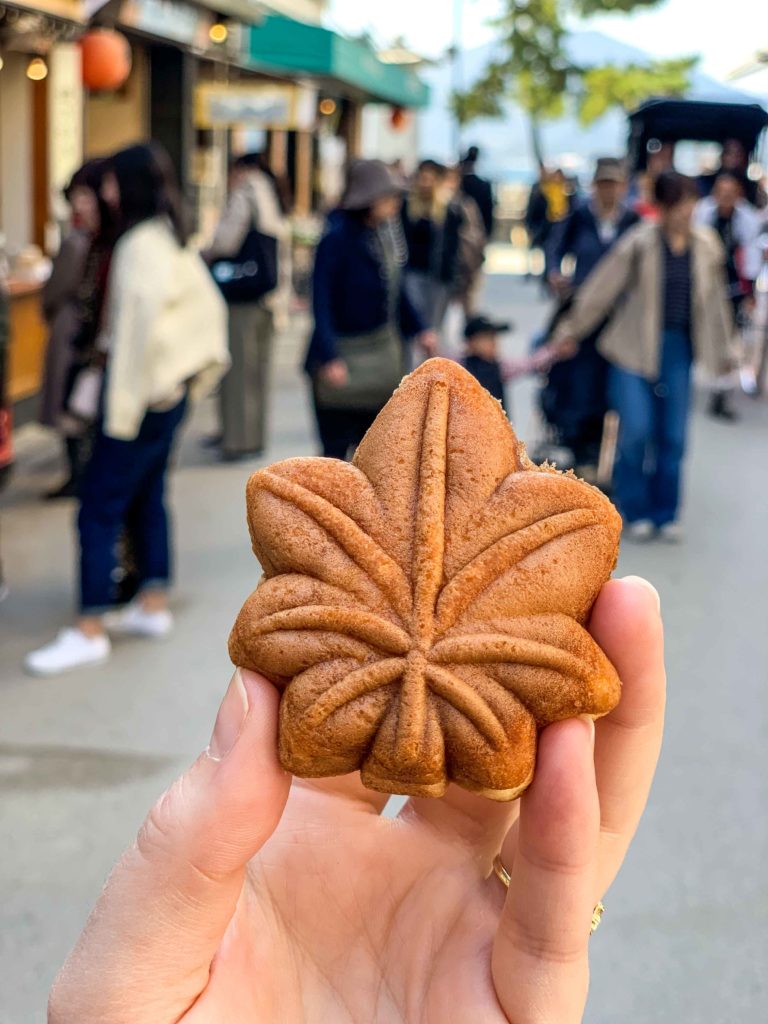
<point x="505" y="878"/>
<point x="501" y="872"/>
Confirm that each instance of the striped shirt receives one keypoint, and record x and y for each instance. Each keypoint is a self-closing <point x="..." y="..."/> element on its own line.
<point x="677" y="290"/>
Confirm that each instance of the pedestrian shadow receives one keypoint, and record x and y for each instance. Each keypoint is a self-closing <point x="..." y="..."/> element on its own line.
<point x="32" y="769"/>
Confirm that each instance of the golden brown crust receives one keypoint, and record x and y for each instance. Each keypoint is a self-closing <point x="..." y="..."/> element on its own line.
<point x="423" y="608"/>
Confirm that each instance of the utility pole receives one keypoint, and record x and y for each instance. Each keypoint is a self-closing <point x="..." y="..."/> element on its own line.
<point x="457" y="77"/>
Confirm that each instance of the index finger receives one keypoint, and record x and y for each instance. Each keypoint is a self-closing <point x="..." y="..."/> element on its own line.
<point x="626" y="623"/>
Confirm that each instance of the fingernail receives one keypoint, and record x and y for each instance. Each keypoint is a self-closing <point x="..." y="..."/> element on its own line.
<point x="229" y="720"/>
<point x="648" y="586"/>
<point x="589" y="721"/>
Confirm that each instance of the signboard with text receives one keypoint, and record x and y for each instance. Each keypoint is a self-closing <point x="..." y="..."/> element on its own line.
<point x="288" y="107"/>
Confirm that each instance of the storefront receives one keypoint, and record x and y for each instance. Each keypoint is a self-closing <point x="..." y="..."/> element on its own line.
<point x="176" y="47"/>
<point x="40" y="147"/>
<point x="208" y="79"/>
<point x="348" y="75"/>
<point x="155" y="101"/>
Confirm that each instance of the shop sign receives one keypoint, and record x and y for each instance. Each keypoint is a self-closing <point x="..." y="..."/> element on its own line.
<point x="166" y="19"/>
<point x="65" y="115"/>
<point x="288" y="107"/>
<point x="72" y="10"/>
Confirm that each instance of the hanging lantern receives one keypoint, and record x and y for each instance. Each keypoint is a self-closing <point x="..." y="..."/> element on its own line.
<point x="398" y="119"/>
<point x="106" y="60"/>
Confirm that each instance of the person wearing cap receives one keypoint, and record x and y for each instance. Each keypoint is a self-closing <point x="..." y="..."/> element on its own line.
<point x="577" y="389"/>
<point x="481" y="336"/>
<point x="362" y="316"/>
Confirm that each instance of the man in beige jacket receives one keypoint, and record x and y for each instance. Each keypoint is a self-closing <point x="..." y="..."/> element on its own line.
<point x="663" y="287"/>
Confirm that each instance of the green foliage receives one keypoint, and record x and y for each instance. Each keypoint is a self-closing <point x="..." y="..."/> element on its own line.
<point x="609" y="86"/>
<point x="537" y="72"/>
<point x="587" y="8"/>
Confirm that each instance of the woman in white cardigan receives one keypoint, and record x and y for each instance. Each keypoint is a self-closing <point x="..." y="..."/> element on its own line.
<point x="164" y="338"/>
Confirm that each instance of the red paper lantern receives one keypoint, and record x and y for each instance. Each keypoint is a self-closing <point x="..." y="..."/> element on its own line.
<point x="106" y="59"/>
<point x="398" y="118"/>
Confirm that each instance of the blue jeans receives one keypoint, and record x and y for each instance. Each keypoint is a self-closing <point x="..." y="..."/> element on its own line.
<point x="652" y="433"/>
<point x="124" y="483"/>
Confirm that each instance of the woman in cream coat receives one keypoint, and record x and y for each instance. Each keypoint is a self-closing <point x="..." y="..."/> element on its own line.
<point x="163" y="341"/>
<point x="663" y="289"/>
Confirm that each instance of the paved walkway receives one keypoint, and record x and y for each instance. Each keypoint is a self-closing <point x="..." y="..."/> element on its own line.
<point x="685" y="936"/>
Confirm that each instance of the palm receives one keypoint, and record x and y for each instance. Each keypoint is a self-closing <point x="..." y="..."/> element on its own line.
<point x="378" y="919"/>
<point x="347" y="917"/>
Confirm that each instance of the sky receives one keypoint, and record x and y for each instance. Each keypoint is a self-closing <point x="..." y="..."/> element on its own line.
<point x="675" y="28"/>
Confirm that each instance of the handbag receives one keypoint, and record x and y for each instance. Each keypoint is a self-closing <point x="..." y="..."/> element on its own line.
<point x="251" y="274"/>
<point x="374" y="366"/>
<point x="85" y="394"/>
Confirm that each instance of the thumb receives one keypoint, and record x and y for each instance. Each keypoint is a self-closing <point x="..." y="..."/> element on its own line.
<point x="147" y="948"/>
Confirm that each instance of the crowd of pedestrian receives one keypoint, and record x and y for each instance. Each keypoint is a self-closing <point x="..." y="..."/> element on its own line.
<point x="140" y="323"/>
<point x="661" y="275"/>
<point x="395" y="255"/>
<point x="646" y="276"/>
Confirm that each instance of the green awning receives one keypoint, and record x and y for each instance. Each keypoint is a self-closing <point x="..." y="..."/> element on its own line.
<point x="281" y="44"/>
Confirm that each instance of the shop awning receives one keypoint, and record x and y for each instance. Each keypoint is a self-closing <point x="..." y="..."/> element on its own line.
<point x="283" y="45"/>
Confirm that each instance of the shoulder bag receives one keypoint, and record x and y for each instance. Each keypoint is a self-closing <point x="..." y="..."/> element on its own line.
<point x="251" y="274"/>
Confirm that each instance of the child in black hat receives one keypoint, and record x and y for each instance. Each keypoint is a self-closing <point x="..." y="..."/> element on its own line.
<point x="481" y="336"/>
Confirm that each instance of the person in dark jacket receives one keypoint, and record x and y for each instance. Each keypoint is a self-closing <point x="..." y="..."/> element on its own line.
<point x="72" y="298"/>
<point x="481" y="337"/>
<point x="575" y="397"/>
<point x="362" y="314"/>
<point x="478" y="188"/>
<point x="433" y="222"/>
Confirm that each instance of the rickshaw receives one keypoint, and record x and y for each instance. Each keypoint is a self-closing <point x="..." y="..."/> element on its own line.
<point x="678" y="120"/>
<point x="654" y="123"/>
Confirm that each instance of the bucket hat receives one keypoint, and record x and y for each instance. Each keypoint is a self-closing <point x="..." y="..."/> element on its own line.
<point x="367" y="181"/>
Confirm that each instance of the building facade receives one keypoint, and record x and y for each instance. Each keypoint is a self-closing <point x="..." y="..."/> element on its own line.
<point x="209" y="79"/>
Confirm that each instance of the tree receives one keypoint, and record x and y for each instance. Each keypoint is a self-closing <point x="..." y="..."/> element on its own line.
<point x="536" y="71"/>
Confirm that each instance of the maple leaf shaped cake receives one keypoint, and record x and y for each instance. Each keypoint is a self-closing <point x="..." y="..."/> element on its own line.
<point x="422" y="609"/>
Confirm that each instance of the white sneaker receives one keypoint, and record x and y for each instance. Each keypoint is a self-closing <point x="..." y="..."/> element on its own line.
<point x="71" y="649"/>
<point x="748" y="380"/>
<point x="134" y="620"/>
<point x="672" y="533"/>
<point x="640" y="531"/>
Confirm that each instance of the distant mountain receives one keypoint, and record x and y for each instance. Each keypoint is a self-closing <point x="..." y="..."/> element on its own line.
<point x="504" y="141"/>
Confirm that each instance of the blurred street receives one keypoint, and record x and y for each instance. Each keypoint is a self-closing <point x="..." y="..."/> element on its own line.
<point x="82" y="756"/>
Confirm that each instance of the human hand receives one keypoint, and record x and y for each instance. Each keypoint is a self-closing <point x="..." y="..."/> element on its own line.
<point x="335" y="373"/>
<point x="559" y="284"/>
<point x="429" y="341"/>
<point x="511" y="369"/>
<point x="538" y="361"/>
<point x="240" y="903"/>
<point x="561" y="349"/>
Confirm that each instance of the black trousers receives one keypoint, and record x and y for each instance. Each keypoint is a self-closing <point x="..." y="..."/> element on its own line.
<point x="342" y="429"/>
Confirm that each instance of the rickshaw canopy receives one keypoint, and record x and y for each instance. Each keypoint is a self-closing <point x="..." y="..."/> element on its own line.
<point x="679" y="120"/>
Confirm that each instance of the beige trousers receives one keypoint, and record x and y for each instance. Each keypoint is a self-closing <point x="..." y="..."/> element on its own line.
<point x="245" y="389"/>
